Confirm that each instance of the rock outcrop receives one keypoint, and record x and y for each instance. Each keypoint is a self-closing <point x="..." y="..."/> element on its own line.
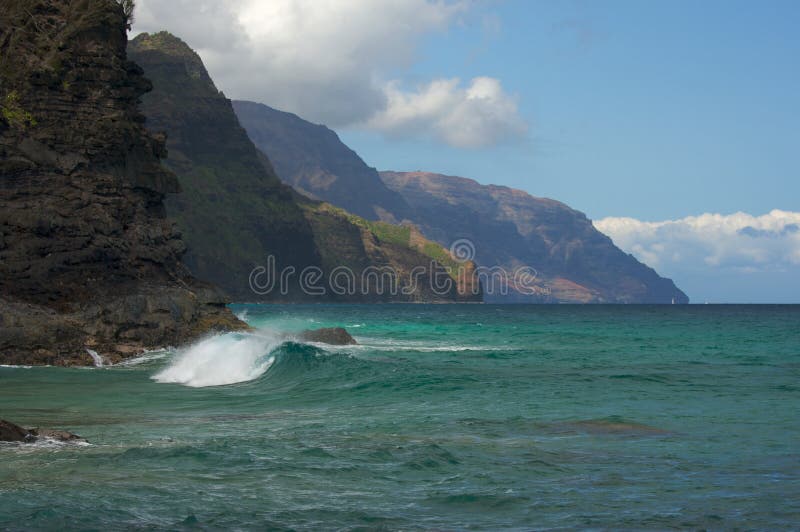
<point x="328" y="335"/>
<point x="10" y="432"/>
<point x="56" y="435"/>
<point x="88" y="257"/>
<point x="235" y="213"/>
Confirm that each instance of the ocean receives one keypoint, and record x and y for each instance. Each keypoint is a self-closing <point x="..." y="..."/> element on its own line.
<point x="448" y="417"/>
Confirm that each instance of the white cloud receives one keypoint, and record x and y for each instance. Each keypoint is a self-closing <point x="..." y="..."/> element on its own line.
<point x="479" y="114"/>
<point x="337" y="62"/>
<point x="737" y="242"/>
<point x="208" y="25"/>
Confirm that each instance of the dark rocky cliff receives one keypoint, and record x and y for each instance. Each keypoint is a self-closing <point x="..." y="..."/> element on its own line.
<point x="235" y="212"/>
<point x="88" y="258"/>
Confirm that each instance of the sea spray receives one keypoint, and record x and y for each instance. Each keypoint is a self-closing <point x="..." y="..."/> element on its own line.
<point x="98" y="360"/>
<point x="147" y="357"/>
<point x="221" y="359"/>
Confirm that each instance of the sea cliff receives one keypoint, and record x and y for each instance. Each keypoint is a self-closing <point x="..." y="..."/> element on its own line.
<point x="88" y="258"/>
<point x="564" y="258"/>
<point x="236" y="215"/>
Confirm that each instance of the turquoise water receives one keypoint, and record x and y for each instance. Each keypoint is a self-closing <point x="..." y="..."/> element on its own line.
<point x="445" y="417"/>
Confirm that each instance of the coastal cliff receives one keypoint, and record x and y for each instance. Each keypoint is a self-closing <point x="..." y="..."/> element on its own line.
<point x="506" y="228"/>
<point x="575" y="263"/>
<point x="88" y="258"/>
<point x="235" y="213"/>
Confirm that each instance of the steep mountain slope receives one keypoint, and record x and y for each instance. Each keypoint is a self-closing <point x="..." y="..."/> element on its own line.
<point x="421" y="270"/>
<point x="87" y="257"/>
<point x="510" y="228"/>
<point x="313" y="160"/>
<point x="235" y="213"/>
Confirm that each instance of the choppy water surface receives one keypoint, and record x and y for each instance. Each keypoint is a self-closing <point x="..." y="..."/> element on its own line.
<point x="447" y="416"/>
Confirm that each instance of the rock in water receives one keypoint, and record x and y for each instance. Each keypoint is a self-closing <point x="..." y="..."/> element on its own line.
<point x="88" y="258"/>
<point x="11" y="432"/>
<point x="329" y="335"/>
<point x="57" y="435"/>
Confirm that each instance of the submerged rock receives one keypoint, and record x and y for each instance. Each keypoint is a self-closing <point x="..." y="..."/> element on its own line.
<point x="612" y="426"/>
<point x="329" y="335"/>
<point x="57" y="435"/>
<point x="10" y="432"/>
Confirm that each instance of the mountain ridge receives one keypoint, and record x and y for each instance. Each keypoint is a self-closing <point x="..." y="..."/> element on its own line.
<point x="309" y="158"/>
<point x="258" y="218"/>
<point x="512" y="229"/>
<point x="509" y="228"/>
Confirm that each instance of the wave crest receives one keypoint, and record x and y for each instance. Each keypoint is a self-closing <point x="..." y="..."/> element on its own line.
<point x="221" y="359"/>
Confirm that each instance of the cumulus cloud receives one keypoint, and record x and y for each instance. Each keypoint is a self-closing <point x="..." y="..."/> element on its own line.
<point x="712" y="242"/>
<point x="478" y="114"/>
<point x="338" y="62"/>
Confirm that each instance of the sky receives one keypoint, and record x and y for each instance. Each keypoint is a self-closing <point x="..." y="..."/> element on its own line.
<point x="671" y="123"/>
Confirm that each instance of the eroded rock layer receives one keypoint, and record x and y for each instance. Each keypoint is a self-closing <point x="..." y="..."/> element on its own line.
<point x="88" y="258"/>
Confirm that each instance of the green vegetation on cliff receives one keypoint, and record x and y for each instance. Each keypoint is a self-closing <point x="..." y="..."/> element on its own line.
<point x="235" y="212"/>
<point x="509" y="229"/>
<point x="574" y="262"/>
<point x="330" y="221"/>
<point x="13" y="114"/>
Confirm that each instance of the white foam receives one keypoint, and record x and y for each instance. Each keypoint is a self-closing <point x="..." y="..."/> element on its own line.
<point x="221" y="359"/>
<point x="147" y="356"/>
<point x="378" y="344"/>
<point x="44" y="444"/>
<point x="98" y="360"/>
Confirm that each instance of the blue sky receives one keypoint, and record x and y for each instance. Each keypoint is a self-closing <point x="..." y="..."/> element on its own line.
<point x="671" y="123"/>
<point x="652" y="110"/>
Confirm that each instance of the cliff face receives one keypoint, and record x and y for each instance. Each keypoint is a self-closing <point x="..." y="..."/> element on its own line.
<point x="235" y="212"/>
<point x="510" y="228"/>
<point x="87" y="257"/>
<point x="422" y="270"/>
<point x="313" y="160"/>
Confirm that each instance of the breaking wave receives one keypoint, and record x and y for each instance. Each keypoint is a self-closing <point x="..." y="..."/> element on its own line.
<point x="221" y="359"/>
